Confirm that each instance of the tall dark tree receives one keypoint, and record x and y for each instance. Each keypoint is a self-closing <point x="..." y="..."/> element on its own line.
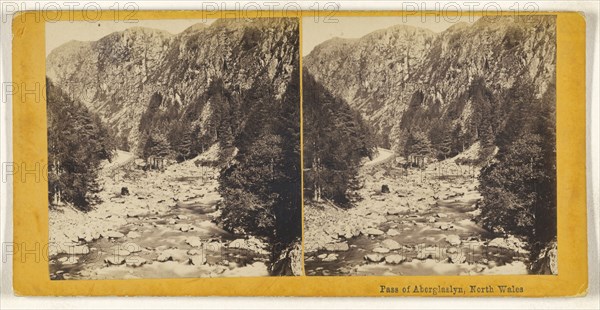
<point x="77" y="143"/>
<point x="336" y="139"/>
<point x="519" y="186"/>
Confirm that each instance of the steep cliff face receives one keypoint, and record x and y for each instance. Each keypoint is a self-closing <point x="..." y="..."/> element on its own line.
<point x="372" y="73"/>
<point x="118" y="75"/>
<point x="391" y="71"/>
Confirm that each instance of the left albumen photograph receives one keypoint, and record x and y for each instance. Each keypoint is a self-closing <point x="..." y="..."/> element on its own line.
<point x="174" y="148"/>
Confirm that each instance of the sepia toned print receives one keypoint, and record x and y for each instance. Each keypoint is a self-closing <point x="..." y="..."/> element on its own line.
<point x="429" y="147"/>
<point x="174" y="148"/>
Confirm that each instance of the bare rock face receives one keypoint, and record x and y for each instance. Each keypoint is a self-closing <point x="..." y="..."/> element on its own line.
<point x="547" y="260"/>
<point x="290" y="260"/>
<point x="404" y="69"/>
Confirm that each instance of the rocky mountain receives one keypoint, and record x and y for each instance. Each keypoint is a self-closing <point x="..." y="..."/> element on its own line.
<point x="405" y="77"/>
<point x="120" y="75"/>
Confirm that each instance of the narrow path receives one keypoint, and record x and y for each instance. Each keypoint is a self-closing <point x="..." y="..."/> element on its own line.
<point x="383" y="155"/>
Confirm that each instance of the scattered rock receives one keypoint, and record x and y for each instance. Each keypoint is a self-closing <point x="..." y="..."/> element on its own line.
<point x="194" y="241"/>
<point x="322" y="256"/>
<point x="69" y="260"/>
<point x="510" y="243"/>
<point x="378" y="198"/>
<point x="331" y="257"/>
<point x="113" y="235"/>
<point x="340" y="246"/>
<point x="193" y="252"/>
<point x="453" y="240"/>
<point x="171" y="222"/>
<point x="385" y="189"/>
<point x="381" y="250"/>
<point x="375" y="258"/>
<point x="391" y="244"/>
<point x="133" y="235"/>
<point x="441" y="215"/>
<point x="547" y="260"/>
<point x="114" y="260"/>
<point x="197" y="260"/>
<point x="251" y="244"/>
<point x="132" y="247"/>
<point x="121" y="252"/>
<point x="394" y="212"/>
<point x="452" y="250"/>
<point x="444" y="226"/>
<point x="163" y="257"/>
<point x="78" y="250"/>
<point x="395" y="259"/>
<point x="457" y="258"/>
<point x="135" y="261"/>
<point x="182" y="217"/>
<point x="372" y="232"/>
<point x="184" y="227"/>
<point x="136" y="213"/>
<point x="124" y="191"/>
<point x="431" y="219"/>
<point x="392" y="232"/>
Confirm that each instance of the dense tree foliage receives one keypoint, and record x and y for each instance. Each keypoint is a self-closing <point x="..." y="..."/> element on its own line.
<point x="184" y="130"/>
<point x="77" y="143"/>
<point x="519" y="186"/>
<point x="336" y="139"/>
<point x="518" y="183"/>
<point x="261" y="187"/>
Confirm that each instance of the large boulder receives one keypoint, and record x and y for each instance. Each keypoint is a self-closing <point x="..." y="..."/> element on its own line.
<point x="381" y="250"/>
<point x="453" y="240"/>
<point x="114" y="260"/>
<point x="395" y="259"/>
<point x="197" y="260"/>
<point x="392" y="232"/>
<point x="113" y="235"/>
<point x="372" y="232"/>
<point x="390" y="244"/>
<point x="194" y="241"/>
<point x="375" y="258"/>
<point x="547" y="261"/>
<point x="385" y="189"/>
<point x="337" y="247"/>
<point x="135" y="261"/>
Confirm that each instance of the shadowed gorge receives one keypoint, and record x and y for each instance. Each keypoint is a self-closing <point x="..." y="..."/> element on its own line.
<point x="197" y="169"/>
<point x="460" y="176"/>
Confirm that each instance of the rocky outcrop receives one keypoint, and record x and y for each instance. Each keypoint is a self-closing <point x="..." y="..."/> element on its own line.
<point x="117" y="76"/>
<point x="383" y="73"/>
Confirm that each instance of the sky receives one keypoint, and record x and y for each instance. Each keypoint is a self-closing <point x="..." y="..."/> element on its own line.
<point x="313" y="32"/>
<point x="58" y="33"/>
<point x="316" y="32"/>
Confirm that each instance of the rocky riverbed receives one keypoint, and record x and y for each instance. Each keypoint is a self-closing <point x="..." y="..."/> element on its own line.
<point x="162" y="226"/>
<point x="423" y="225"/>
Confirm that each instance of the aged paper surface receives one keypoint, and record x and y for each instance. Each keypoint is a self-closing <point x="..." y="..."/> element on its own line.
<point x="385" y="231"/>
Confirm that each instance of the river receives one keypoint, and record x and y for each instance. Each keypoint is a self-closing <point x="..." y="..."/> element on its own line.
<point x="426" y="225"/>
<point x="166" y="227"/>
